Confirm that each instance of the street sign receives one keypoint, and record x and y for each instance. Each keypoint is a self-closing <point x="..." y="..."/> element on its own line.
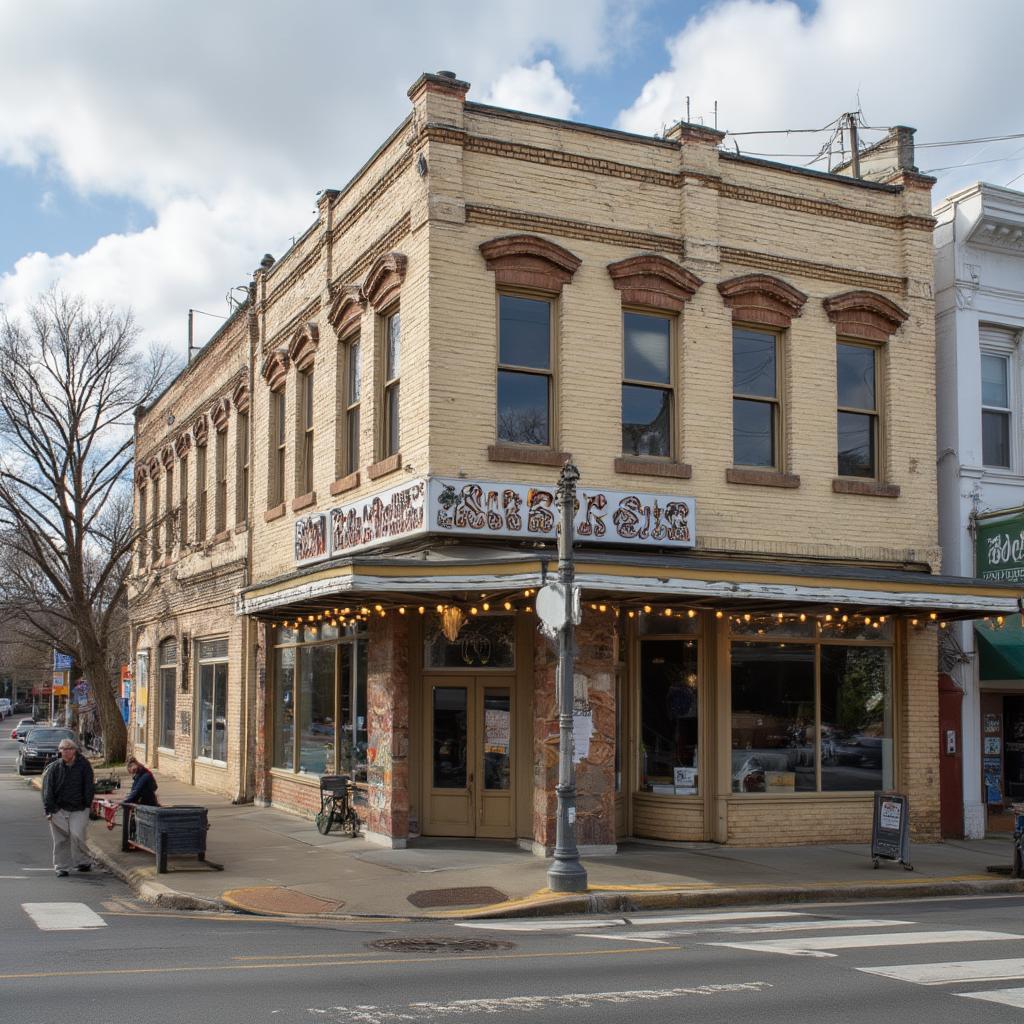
<point x="550" y="606"/>
<point x="62" y="662"/>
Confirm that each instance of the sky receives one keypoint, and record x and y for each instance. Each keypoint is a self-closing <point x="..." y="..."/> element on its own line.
<point x="151" y="153"/>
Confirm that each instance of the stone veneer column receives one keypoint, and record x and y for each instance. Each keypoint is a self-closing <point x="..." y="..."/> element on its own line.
<point x="387" y="699"/>
<point x="919" y="732"/>
<point x="596" y="639"/>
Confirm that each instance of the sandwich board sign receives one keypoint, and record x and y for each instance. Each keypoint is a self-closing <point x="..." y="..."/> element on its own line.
<point x="890" y="829"/>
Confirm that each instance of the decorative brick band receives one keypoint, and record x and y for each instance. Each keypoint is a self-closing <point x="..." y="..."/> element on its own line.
<point x="281" y="288"/>
<point x="517" y="219"/>
<point x="653" y="281"/>
<point x="301" y="501"/>
<point x="346" y="483"/>
<point x="864" y="315"/>
<point x="761" y="477"/>
<point x="275" y="512"/>
<point x="527" y="456"/>
<point x="385" y="466"/>
<point x="872" y="488"/>
<point x="822" y="271"/>
<point x="645" y="467"/>
<point x="761" y="299"/>
<point x="304" y="315"/>
<point x="385" y="243"/>
<point x="372" y="194"/>
<point x="528" y="261"/>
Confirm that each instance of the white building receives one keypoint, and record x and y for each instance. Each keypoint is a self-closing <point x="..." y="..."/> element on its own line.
<point x="979" y="281"/>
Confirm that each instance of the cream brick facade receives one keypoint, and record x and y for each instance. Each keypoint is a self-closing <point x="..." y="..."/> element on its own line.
<point x="406" y="233"/>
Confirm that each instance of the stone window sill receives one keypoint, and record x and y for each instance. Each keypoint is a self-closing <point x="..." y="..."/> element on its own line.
<point x="241" y="527"/>
<point x="761" y="477"/>
<point x="302" y="501"/>
<point x="219" y="538"/>
<point x="872" y="488"/>
<point x="346" y="483"/>
<point x="527" y="455"/>
<point x="275" y="513"/>
<point x="652" y="467"/>
<point x="385" y="466"/>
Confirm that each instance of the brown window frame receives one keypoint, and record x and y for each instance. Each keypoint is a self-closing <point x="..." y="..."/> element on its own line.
<point x="776" y="401"/>
<point x="241" y="468"/>
<point x="278" y="447"/>
<point x="552" y="406"/>
<point x="390" y="391"/>
<point x="201" y="492"/>
<point x="305" y="424"/>
<point x="670" y="387"/>
<point x="183" y="500"/>
<point x="875" y="414"/>
<point x="220" y="475"/>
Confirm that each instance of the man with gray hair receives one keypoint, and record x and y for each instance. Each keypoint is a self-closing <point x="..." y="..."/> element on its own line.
<point x="68" y="789"/>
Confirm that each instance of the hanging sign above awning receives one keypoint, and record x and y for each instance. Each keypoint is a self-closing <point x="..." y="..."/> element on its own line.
<point x="488" y="510"/>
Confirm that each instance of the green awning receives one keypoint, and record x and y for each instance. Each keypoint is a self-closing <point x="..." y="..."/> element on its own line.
<point x="1001" y="651"/>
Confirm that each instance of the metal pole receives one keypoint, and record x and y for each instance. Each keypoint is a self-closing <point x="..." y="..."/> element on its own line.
<point x="851" y="121"/>
<point x="566" y="873"/>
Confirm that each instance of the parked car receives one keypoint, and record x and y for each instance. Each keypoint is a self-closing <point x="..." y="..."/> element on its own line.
<point x="41" y="748"/>
<point x="5" y="707"/>
<point x="18" y="732"/>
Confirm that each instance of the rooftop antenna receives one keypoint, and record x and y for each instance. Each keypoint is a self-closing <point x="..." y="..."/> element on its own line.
<point x="687" y="109"/>
<point x="191" y="347"/>
<point x="233" y="300"/>
<point x="716" y="115"/>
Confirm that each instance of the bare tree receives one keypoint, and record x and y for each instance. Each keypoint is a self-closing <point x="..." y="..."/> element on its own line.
<point x="71" y="378"/>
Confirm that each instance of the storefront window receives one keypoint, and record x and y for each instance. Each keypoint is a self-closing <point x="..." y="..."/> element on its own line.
<point x="211" y="738"/>
<point x="329" y="702"/>
<point x="284" y="708"/>
<point x="484" y="641"/>
<point x="168" y="691"/>
<point x="141" y="696"/>
<point x="450" y="736"/>
<point x="772" y="718"/>
<point x="856" y="718"/>
<point x="669" y="717"/>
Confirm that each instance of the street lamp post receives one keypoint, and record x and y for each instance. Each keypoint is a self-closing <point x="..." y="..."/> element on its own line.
<point x="566" y="873"/>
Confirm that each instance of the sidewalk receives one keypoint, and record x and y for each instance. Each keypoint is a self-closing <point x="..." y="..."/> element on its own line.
<point x="275" y="863"/>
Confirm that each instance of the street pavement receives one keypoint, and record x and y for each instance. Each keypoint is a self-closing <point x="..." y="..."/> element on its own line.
<point x="84" y="948"/>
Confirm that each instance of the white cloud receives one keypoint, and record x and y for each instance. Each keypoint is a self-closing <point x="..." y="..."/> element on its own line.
<point x="948" y="70"/>
<point x="225" y="119"/>
<point x="48" y="202"/>
<point x="537" y="90"/>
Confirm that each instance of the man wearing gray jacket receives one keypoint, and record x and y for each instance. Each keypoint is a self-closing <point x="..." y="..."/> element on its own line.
<point x="68" y="789"/>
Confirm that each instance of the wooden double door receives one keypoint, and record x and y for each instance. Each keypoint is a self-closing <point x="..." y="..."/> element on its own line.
<point x="469" y="769"/>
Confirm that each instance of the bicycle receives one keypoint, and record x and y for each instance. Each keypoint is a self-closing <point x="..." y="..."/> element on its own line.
<point x="336" y="806"/>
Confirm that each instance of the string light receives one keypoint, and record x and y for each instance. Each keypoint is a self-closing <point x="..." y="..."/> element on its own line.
<point x="486" y="607"/>
<point x="692" y="613"/>
<point x="401" y="610"/>
<point x="719" y="613"/>
<point x="421" y="609"/>
<point x="647" y="609"/>
<point x="508" y="606"/>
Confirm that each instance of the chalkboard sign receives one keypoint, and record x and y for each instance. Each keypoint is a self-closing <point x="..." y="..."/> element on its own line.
<point x="890" y="829"/>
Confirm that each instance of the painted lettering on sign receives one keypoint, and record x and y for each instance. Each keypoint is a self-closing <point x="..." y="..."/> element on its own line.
<point x="310" y="537"/>
<point x="395" y="513"/>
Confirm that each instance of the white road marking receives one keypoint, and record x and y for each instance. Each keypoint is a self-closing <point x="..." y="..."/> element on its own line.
<point x="1006" y="996"/>
<point x="724" y="915"/>
<point x="63" y="917"/>
<point x="37" y="869"/>
<point x="644" y="937"/>
<point x="560" y="924"/>
<point x="463" y="1008"/>
<point x="816" y="946"/>
<point x="547" y="925"/>
<point x="767" y="926"/>
<point x="953" y="972"/>
<point x="15" y="878"/>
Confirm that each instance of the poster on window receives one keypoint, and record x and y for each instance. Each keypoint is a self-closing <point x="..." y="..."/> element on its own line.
<point x="993" y="723"/>
<point x="497" y="730"/>
<point x="993" y="745"/>
<point x="993" y="775"/>
<point x="684" y="781"/>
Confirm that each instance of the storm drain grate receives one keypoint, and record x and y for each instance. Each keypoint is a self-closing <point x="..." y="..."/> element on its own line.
<point x="467" y="896"/>
<point x="438" y="944"/>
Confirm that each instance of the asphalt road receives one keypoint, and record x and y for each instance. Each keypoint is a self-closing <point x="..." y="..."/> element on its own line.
<point x="99" y="957"/>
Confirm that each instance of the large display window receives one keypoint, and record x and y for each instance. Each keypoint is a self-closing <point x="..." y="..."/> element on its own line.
<point x="812" y="706"/>
<point x="319" y="703"/>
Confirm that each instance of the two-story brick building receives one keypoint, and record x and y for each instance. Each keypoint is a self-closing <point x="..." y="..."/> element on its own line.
<point x="738" y="355"/>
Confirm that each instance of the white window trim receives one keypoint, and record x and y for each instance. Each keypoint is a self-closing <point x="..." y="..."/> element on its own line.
<point x="1009" y="349"/>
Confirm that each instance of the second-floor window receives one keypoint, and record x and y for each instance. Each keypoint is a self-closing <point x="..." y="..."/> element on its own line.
<point x="143" y="526"/>
<point x="278" y="444"/>
<point x="154" y="529"/>
<point x="392" y="372"/>
<point x="169" y="515"/>
<point x="646" y="385"/>
<point x="220" y="506"/>
<point x="857" y="424"/>
<point x="995" y="410"/>
<point x="305" y="467"/>
<point x="183" y="500"/>
<point x="756" y="412"/>
<point x="524" y="370"/>
<point x="201" y="492"/>
<point x="242" y="468"/>
<point x="353" y="372"/>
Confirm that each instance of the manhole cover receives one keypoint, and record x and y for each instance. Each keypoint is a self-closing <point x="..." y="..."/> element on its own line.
<point x="467" y="896"/>
<point x="435" y="944"/>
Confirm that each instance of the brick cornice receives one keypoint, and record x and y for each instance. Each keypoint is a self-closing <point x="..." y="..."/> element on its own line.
<point x="762" y="299"/>
<point x="865" y="315"/>
<point x="302" y="348"/>
<point x="440" y="84"/>
<point x="529" y="261"/>
<point x="821" y="271"/>
<point x="384" y="280"/>
<point x="653" y="281"/>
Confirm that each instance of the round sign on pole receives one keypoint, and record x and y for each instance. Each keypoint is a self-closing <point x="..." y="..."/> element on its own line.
<point x="550" y="605"/>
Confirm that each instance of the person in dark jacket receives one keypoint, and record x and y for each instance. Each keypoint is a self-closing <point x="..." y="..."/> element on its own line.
<point x="68" y="789"/>
<point x="143" y="789"/>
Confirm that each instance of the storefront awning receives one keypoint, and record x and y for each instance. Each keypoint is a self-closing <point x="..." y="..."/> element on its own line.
<point x="1001" y="651"/>
<point x="698" y="580"/>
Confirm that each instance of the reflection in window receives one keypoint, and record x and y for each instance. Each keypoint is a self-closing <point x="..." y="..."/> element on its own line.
<point x="484" y="641"/>
<point x="497" y="739"/>
<point x="524" y="370"/>
<point x="646" y="385"/>
<point x="392" y="373"/>
<point x="856" y="718"/>
<point x="168" y="652"/>
<point x="449" y="737"/>
<point x="856" y="376"/>
<point x="773" y="718"/>
<point x="284" y="708"/>
<point x="316" y="710"/>
<point x="755" y="407"/>
<point x="211" y="740"/>
<point x="995" y="410"/>
<point x="668" y="716"/>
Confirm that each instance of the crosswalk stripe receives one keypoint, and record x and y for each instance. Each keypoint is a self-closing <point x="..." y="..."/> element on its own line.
<point x="1006" y="996"/>
<point x="560" y="924"/>
<point x="644" y="937"/>
<point x="817" y="945"/>
<point x="953" y="972"/>
<point x="768" y="926"/>
<point x="550" y="925"/>
<point x="723" y="915"/>
<point x="63" y="917"/>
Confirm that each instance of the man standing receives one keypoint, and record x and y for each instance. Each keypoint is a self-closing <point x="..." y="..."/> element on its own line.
<point x="67" y="796"/>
